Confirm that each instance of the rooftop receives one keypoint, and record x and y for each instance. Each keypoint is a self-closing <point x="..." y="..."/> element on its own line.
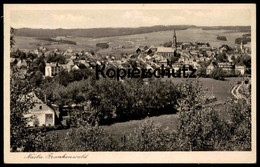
<point x="165" y="49"/>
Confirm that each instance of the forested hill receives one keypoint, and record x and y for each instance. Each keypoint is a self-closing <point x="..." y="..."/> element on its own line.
<point x="95" y="32"/>
<point x="109" y="32"/>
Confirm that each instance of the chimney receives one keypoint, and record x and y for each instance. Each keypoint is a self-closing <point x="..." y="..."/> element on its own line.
<point x="45" y="98"/>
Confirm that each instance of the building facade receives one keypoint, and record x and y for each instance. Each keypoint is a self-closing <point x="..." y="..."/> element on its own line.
<point x="40" y="114"/>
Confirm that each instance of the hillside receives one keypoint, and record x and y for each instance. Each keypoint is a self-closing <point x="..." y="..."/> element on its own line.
<point x="232" y="28"/>
<point x="95" y="32"/>
<point x="110" y="32"/>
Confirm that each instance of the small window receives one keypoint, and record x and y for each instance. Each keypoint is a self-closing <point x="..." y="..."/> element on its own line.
<point x="40" y="107"/>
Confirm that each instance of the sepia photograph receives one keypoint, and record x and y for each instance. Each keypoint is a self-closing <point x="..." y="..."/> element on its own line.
<point x="149" y="83"/>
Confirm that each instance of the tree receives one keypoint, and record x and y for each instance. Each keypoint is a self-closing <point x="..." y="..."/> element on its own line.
<point x="148" y="137"/>
<point x="88" y="138"/>
<point x="222" y="57"/>
<point x="168" y="44"/>
<point x="102" y="45"/>
<point x="240" y="124"/>
<point x="64" y="77"/>
<point x="39" y="61"/>
<point x="12" y="41"/>
<point x="19" y="108"/>
<point x="22" y="138"/>
<point x="218" y="74"/>
<point x="199" y="128"/>
<point x="36" y="79"/>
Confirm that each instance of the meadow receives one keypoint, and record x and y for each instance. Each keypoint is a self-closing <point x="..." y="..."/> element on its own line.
<point x="133" y="41"/>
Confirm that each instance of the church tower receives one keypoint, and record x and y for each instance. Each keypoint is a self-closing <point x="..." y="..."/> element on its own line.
<point x="242" y="46"/>
<point x="174" y="41"/>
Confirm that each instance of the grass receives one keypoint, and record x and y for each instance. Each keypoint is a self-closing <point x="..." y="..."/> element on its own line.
<point x="220" y="89"/>
<point x="118" y="130"/>
<point x="124" y="128"/>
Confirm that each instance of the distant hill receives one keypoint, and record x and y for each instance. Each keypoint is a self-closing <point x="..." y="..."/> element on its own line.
<point x="109" y="32"/>
<point x="234" y="28"/>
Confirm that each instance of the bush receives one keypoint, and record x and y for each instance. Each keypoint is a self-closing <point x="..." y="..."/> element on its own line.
<point x="244" y="40"/>
<point x="102" y="45"/>
<point x="201" y="130"/>
<point x="218" y="74"/>
<point x="148" y="137"/>
<point x="88" y="138"/>
<point x="222" y="38"/>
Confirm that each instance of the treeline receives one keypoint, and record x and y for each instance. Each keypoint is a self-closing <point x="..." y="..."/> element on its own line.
<point x="58" y="41"/>
<point x="222" y="38"/>
<point x="95" y="32"/>
<point x="244" y="40"/>
<point x="112" y="100"/>
<point x="102" y="45"/>
<point x="235" y="28"/>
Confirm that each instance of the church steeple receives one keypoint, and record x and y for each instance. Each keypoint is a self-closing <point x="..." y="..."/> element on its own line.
<point x="174" y="40"/>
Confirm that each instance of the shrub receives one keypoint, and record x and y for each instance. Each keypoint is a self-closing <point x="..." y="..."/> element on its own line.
<point x="102" y="45"/>
<point x="148" y="137"/>
<point x="88" y="138"/>
<point x="218" y="74"/>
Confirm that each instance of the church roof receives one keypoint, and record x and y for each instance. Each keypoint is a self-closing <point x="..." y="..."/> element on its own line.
<point x="165" y="49"/>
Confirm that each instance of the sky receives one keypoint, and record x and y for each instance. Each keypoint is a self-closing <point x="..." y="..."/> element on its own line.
<point x="98" y="18"/>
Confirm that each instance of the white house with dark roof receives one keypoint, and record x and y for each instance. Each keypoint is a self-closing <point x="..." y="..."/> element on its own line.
<point x="210" y="68"/>
<point x="40" y="114"/>
<point x="240" y="69"/>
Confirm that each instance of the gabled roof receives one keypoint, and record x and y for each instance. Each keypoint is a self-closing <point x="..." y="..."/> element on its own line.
<point x="165" y="49"/>
<point x="70" y="63"/>
<point x="211" y="65"/>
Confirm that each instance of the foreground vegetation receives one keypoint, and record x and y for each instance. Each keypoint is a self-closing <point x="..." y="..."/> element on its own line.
<point x="198" y="127"/>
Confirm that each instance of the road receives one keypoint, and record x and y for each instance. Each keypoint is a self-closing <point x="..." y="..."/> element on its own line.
<point x="235" y="92"/>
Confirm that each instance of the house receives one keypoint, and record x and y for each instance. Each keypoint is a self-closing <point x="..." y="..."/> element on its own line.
<point x="240" y="69"/>
<point x="36" y="51"/>
<point x="52" y="69"/>
<point x="227" y="67"/>
<point x="21" y="63"/>
<point x="153" y="48"/>
<point x="165" y="51"/>
<point x="40" y="114"/>
<point x="75" y="67"/>
<point x="210" y="68"/>
<point x="148" y="57"/>
<point x="148" y="51"/>
<point x="69" y="65"/>
<point x="138" y="50"/>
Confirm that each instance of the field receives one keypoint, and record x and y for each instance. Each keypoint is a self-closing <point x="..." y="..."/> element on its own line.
<point x="220" y="89"/>
<point x="133" y="41"/>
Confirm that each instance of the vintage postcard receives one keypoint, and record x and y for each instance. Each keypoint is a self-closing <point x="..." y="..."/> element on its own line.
<point x="129" y="83"/>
